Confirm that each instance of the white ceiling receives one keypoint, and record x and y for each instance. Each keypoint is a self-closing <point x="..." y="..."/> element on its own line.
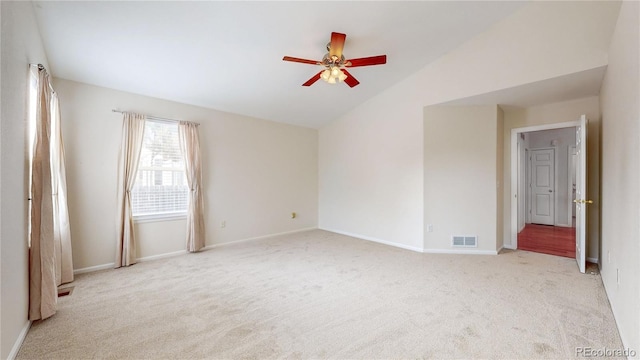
<point x="228" y="55"/>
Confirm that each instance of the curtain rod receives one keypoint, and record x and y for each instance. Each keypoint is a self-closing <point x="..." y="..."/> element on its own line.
<point x="42" y="68"/>
<point x="39" y="66"/>
<point x="151" y="117"/>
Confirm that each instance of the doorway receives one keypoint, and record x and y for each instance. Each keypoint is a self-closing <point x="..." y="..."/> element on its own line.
<point x="543" y="180"/>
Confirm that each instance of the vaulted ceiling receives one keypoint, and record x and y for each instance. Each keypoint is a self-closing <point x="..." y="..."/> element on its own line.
<point x="228" y="55"/>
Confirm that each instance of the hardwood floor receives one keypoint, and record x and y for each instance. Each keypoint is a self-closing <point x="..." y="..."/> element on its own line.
<point x="552" y="240"/>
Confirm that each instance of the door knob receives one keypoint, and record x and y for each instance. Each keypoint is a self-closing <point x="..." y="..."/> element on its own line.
<point x="550" y="190"/>
<point x="583" y="201"/>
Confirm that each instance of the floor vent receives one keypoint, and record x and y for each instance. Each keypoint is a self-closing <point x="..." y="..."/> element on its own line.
<point x="464" y="241"/>
<point x="65" y="291"/>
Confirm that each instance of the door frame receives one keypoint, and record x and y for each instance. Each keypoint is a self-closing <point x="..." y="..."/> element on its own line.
<point x="529" y="178"/>
<point x="571" y="170"/>
<point x="515" y="132"/>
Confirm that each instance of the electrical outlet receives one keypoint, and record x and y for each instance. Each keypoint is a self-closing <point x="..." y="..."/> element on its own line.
<point x="429" y="227"/>
<point x="223" y="224"/>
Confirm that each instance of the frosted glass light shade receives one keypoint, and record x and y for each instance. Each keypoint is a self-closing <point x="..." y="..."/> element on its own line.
<point x="333" y="75"/>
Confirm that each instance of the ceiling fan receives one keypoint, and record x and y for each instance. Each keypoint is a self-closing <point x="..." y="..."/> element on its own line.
<point x="334" y="63"/>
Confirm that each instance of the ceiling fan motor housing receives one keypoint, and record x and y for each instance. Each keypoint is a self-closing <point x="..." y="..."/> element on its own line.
<point x="329" y="60"/>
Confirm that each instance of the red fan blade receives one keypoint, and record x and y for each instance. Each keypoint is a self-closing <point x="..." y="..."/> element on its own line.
<point x="350" y="80"/>
<point x="315" y="78"/>
<point x="337" y="43"/>
<point x="304" y="61"/>
<point x="373" y="60"/>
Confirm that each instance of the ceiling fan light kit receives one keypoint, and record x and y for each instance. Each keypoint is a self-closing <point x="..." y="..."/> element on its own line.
<point x="333" y="74"/>
<point x="334" y="63"/>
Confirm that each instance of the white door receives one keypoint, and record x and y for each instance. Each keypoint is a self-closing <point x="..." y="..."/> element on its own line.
<point x="572" y="184"/>
<point x="581" y="193"/>
<point x="543" y="186"/>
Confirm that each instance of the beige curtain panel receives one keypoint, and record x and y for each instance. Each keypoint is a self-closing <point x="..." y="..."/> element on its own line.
<point x="132" y="136"/>
<point x="43" y="293"/>
<point x="61" y="227"/>
<point x="190" y="146"/>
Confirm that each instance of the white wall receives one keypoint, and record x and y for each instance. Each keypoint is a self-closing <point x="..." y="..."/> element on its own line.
<point x="256" y="172"/>
<point x="559" y="112"/>
<point x="461" y="173"/>
<point x="21" y="45"/>
<point x="499" y="184"/>
<point x="371" y="178"/>
<point x="564" y="138"/>
<point x="620" y="172"/>
<point x="371" y="159"/>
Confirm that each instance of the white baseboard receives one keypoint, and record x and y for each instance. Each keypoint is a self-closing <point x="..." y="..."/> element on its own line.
<point x="461" y="251"/>
<point x="369" y="238"/>
<point x="19" y="341"/>
<point x="258" y="238"/>
<point x="510" y="247"/>
<point x="182" y="252"/>
<point x="592" y="260"/>
<point x="93" y="268"/>
<point x="142" y="259"/>
<point x="162" y="256"/>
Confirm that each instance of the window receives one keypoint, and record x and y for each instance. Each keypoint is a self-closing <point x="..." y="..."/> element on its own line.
<point x="161" y="188"/>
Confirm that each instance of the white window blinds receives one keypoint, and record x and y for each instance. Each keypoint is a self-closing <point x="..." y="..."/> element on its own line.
<point x="161" y="185"/>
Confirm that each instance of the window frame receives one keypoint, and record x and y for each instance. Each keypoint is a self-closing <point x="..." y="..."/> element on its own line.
<point x="165" y="216"/>
<point x="148" y="218"/>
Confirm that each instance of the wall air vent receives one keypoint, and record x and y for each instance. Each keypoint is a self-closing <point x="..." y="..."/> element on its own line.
<point x="66" y="291"/>
<point x="464" y="241"/>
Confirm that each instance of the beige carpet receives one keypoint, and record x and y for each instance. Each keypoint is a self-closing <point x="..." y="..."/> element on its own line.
<point x="321" y="295"/>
